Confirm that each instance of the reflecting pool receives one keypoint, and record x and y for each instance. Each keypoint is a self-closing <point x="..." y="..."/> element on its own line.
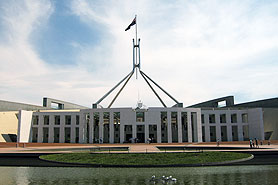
<point x="265" y="174"/>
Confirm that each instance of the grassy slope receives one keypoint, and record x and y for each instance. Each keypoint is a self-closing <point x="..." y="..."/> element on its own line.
<point x="146" y="159"/>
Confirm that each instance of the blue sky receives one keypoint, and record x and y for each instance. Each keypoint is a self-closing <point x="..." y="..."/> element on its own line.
<point x="197" y="50"/>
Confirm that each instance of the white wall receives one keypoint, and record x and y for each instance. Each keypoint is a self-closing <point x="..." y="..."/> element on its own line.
<point x="256" y="126"/>
<point x="24" y="126"/>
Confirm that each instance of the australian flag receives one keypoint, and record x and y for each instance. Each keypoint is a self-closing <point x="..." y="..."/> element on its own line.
<point x="131" y="24"/>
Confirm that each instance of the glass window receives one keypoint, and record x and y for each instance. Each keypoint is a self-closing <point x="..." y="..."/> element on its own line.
<point x="106" y="118"/>
<point x="117" y="117"/>
<point x="35" y="120"/>
<point x="212" y="118"/>
<point x="46" y="120"/>
<point x="244" y="118"/>
<point x="222" y="118"/>
<point x="57" y="120"/>
<point x="68" y="119"/>
<point x="77" y="120"/>
<point x="234" y="118"/>
<point x="140" y="116"/>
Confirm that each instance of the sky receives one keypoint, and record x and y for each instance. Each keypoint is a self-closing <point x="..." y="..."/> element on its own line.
<point x="77" y="50"/>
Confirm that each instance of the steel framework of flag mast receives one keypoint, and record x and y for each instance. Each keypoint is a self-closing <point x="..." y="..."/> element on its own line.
<point x="136" y="67"/>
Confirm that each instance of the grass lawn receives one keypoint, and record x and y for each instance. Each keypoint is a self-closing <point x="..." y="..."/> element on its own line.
<point x="145" y="158"/>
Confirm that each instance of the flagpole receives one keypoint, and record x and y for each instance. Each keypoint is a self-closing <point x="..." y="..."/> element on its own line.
<point x="136" y="43"/>
<point x="136" y="29"/>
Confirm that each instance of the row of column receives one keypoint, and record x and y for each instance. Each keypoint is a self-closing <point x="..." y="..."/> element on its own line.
<point x="197" y="130"/>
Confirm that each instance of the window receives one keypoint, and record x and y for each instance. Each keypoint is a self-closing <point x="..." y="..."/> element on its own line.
<point x="68" y="119"/>
<point x="234" y="118"/>
<point x="222" y="103"/>
<point x="35" y="120"/>
<point x="67" y="134"/>
<point x="117" y="118"/>
<point x="106" y="118"/>
<point x="244" y="118"/>
<point x="212" y="118"/>
<point x="140" y="116"/>
<point x="46" y="120"/>
<point x="222" y="118"/>
<point x="203" y="118"/>
<point x="57" y="120"/>
<point x="174" y="119"/>
<point x="140" y="127"/>
<point x="77" y="120"/>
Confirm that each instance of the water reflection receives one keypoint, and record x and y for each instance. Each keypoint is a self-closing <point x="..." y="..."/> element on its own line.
<point x="140" y="176"/>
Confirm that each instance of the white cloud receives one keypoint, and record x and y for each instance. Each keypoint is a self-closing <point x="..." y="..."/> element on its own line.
<point x="196" y="50"/>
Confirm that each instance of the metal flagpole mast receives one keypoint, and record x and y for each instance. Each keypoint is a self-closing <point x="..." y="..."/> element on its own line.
<point x="136" y="29"/>
<point x="136" y="46"/>
<point x="137" y="67"/>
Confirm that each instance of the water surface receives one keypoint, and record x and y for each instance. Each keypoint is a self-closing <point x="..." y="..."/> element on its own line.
<point x="265" y="174"/>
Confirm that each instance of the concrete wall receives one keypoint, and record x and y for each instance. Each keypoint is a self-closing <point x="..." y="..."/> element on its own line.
<point x="256" y="125"/>
<point x="8" y="125"/>
<point x="24" y="126"/>
<point x="270" y="117"/>
<point x="61" y="127"/>
<point x="229" y="100"/>
<point x="13" y="106"/>
<point x="234" y="129"/>
<point x="61" y="104"/>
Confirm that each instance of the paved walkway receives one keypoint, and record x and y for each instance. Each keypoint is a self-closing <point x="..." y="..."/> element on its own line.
<point x="143" y="148"/>
<point x="133" y="148"/>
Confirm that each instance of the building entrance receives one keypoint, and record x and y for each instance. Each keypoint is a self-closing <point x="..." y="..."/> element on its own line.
<point x="140" y="137"/>
<point x="128" y="138"/>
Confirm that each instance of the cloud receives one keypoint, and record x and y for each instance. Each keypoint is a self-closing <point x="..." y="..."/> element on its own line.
<point x="196" y="50"/>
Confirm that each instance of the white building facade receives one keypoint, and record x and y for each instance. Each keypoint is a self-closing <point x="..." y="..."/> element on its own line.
<point x="123" y="125"/>
<point x="232" y="124"/>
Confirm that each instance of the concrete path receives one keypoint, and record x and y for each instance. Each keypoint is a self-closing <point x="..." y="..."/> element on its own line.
<point x="135" y="148"/>
<point x="143" y="148"/>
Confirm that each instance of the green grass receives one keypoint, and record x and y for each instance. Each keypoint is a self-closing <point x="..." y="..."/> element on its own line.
<point x="145" y="159"/>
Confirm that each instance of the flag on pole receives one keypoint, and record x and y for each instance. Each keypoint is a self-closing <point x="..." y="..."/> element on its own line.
<point x="131" y="24"/>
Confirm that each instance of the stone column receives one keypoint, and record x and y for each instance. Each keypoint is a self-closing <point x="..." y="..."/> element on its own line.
<point x="179" y="128"/>
<point x="122" y="133"/>
<point x="101" y="126"/>
<point x="207" y="129"/>
<point x="62" y="129"/>
<point x="229" y="127"/>
<point x="111" y="127"/>
<point x="239" y="126"/>
<point x="199" y="126"/>
<point x="72" y="128"/>
<point x="158" y="131"/>
<point x="134" y="130"/>
<point x="169" y="126"/>
<point x="217" y="127"/>
<point x="82" y="127"/>
<point x="40" y="127"/>
<point x="147" y="128"/>
<point x="51" y="129"/>
<point x="189" y="128"/>
<point x="91" y="127"/>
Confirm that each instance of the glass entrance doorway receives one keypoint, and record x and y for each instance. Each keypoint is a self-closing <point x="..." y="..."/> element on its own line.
<point x="140" y="134"/>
